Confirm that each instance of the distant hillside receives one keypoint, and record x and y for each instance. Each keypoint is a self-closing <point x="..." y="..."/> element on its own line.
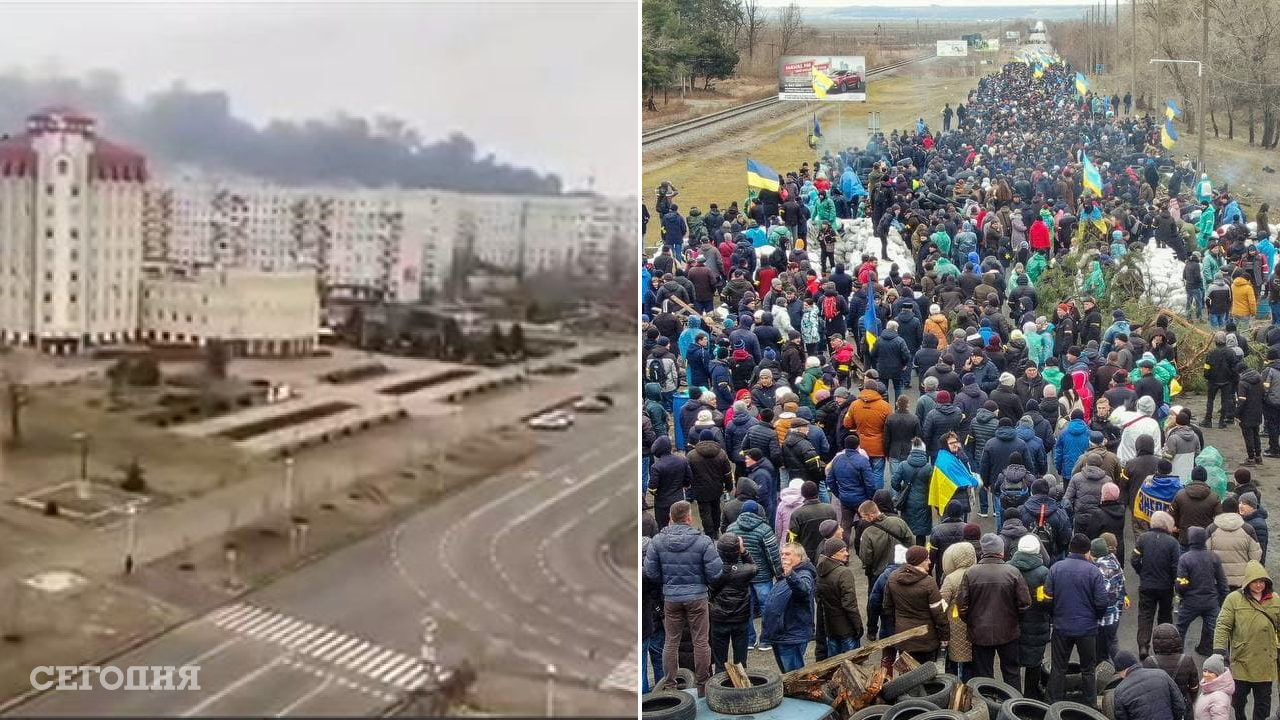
<point x="935" y="13"/>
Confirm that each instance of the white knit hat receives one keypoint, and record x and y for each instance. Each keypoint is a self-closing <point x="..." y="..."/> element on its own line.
<point x="1029" y="544"/>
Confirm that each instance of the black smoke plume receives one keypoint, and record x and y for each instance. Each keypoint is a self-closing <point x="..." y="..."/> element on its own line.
<point x="184" y="127"/>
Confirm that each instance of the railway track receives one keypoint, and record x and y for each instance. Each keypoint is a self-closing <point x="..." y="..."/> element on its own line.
<point x="676" y="129"/>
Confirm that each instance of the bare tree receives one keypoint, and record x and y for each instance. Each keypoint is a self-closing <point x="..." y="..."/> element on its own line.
<point x="790" y="27"/>
<point x="753" y="22"/>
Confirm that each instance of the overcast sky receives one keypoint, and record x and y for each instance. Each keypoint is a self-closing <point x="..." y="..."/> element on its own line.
<point x="548" y="85"/>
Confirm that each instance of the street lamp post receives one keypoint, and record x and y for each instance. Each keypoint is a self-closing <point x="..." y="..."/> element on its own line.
<point x="288" y="485"/>
<point x="131" y="538"/>
<point x="551" y="690"/>
<point x="82" y="478"/>
<point x="1201" y="109"/>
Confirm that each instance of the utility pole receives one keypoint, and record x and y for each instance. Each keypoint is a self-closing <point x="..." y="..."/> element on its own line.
<point x="1133" y="48"/>
<point x="1203" y="110"/>
<point x="1102" y="35"/>
<point x="1159" y="52"/>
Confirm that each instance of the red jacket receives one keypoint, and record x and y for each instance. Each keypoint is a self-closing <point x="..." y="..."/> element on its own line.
<point x="1039" y="235"/>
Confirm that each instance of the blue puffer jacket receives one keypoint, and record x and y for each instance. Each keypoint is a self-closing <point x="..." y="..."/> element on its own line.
<point x="1072" y="443"/>
<point x="1035" y="458"/>
<point x="879" y="623"/>
<point x="685" y="561"/>
<point x="1079" y="596"/>
<point x="850" y="478"/>
<point x="735" y="432"/>
<point x="788" y="611"/>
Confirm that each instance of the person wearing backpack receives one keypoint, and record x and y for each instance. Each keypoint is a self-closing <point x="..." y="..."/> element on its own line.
<point x="832" y="309"/>
<point x="1271" y="397"/>
<point x="1046" y="519"/>
<point x="661" y="369"/>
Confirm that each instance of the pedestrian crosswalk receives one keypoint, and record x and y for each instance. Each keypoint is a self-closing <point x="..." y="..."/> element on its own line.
<point x="322" y="644"/>
<point x="626" y="676"/>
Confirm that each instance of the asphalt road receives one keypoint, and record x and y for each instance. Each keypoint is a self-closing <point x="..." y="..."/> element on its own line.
<point x="514" y="566"/>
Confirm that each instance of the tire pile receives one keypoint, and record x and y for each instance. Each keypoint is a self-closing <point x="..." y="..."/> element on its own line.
<point x="919" y="694"/>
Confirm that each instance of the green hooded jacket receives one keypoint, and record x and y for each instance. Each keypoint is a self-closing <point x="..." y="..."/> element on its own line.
<point x="1211" y="460"/>
<point x="945" y="267"/>
<point x="778" y="235"/>
<point x="1095" y="285"/>
<point x="1204" y="228"/>
<point x="1036" y="267"/>
<point x="943" y="241"/>
<point x="1250" y="630"/>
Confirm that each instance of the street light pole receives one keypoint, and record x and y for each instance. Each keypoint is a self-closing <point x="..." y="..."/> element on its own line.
<point x="288" y="485"/>
<point x="1204" y="82"/>
<point x="551" y="690"/>
<point x="82" y="479"/>
<point x="131" y="539"/>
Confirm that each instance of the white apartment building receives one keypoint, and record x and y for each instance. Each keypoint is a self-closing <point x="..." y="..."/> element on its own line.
<point x="368" y="244"/>
<point x="265" y="313"/>
<point x="71" y="241"/>
<point x="536" y="234"/>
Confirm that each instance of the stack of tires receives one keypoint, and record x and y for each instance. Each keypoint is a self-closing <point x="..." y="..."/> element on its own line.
<point x="925" y="694"/>
<point x="671" y="703"/>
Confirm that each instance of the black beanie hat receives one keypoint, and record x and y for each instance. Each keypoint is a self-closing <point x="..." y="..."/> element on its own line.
<point x="1199" y="474"/>
<point x="1079" y="544"/>
<point x="1039" y="486"/>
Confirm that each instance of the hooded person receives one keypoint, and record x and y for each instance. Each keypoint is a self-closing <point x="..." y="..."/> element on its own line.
<point x="729" y="601"/>
<point x="1202" y="587"/>
<point x="1233" y="543"/>
<point x="1245" y="634"/>
<point x="956" y="561"/>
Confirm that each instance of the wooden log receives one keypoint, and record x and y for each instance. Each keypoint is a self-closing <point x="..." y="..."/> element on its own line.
<point x="800" y="678"/>
<point x="905" y="663"/>
<point x="737" y="675"/>
<point x="958" y="696"/>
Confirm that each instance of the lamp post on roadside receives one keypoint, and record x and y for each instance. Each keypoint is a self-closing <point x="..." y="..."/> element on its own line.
<point x="131" y="538"/>
<point x="551" y="689"/>
<point x="82" y="478"/>
<point x="1201" y="109"/>
<point x="288" y="485"/>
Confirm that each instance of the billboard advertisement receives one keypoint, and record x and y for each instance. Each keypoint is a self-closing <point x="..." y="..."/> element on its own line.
<point x="992" y="45"/>
<point x="806" y="77"/>
<point x="953" y="48"/>
<point x="1012" y="35"/>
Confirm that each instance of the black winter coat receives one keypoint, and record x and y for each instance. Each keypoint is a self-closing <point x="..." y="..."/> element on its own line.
<point x="1148" y="694"/>
<point x="1155" y="558"/>
<point x="730" y="594"/>
<point x="890" y="355"/>
<point x="941" y="420"/>
<point x="1008" y="404"/>
<point x="711" y="470"/>
<point x="1035" y="624"/>
<point x="899" y="429"/>
<point x="669" y="475"/>
<point x="800" y="458"/>
<point x="1109" y="517"/>
<point x="1167" y="655"/>
<point x="1201" y="581"/>
<point x="1249" y="399"/>
<point x="838" y="600"/>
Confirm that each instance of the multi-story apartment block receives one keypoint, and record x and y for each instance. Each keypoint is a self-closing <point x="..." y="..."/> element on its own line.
<point x="71" y="246"/>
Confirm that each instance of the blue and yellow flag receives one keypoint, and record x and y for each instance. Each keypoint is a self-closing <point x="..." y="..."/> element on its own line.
<point x="821" y="83"/>
<point x="1168" y="136"/>
<point x="949" y="475"/>
<point x="761" y="176"/>
<point x="1092" y="179"/>
<point x="1171" y="110"/>
<point x="1082" y="85"/>
<point x="870" y="319"/>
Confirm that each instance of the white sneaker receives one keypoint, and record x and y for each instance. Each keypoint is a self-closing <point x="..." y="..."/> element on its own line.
<point x="982" y="514"/>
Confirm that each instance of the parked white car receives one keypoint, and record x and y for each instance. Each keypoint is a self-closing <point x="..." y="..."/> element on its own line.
<point x="554" y="420"/>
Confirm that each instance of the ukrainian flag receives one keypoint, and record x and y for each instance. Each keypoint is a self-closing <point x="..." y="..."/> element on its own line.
<point x="761" y="176"/>
<point x="1168" y="136"/>
<point x="1171" y="110"/>
<point x="1092" y="178"/>
<point x="949" y="475"/>
<point x="870" y="320"/>
<point x="821" y="83"/>
<point x="1082" y="85"/>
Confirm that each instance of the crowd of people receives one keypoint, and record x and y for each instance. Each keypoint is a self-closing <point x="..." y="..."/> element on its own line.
<point x="804" y="403"/>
